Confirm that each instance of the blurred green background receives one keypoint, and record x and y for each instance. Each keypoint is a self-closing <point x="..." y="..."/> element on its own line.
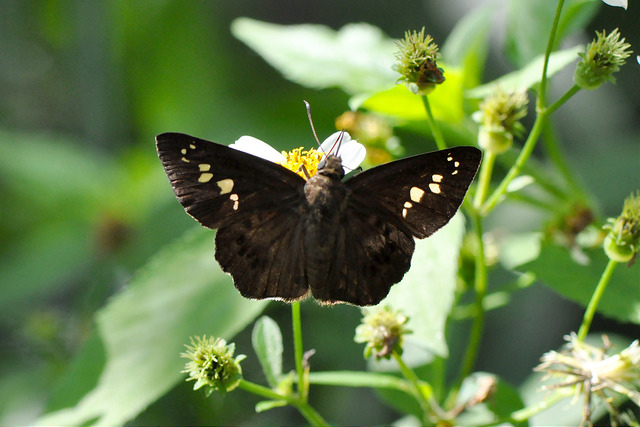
<point x="84" y="88"/>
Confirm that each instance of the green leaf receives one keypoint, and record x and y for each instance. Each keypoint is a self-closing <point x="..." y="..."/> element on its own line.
<point x="530" y="75"/>
<point x="400" y="103"/>
<point x="267" y="343"/>
<point x="495" y="404"/>
<point x="556" y="268"/>
<point x="426" y="293"/>
<point x="357" y="58"/>
<point x="181" y="292"/>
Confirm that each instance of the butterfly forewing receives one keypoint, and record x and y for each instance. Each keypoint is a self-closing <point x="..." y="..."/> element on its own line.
<point x="217" y="184"/>
<point x="420" y="193"/>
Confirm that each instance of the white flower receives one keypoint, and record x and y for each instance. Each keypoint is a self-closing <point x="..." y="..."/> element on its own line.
<point x="351" y="151"/>
<point x="617" y="3"/>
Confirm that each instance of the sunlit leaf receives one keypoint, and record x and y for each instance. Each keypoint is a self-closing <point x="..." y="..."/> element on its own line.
<point x="267" y="343"/>
<point x="181" y="293"/>
<point x="356" y="58"/>
<point x="425" y="295"/>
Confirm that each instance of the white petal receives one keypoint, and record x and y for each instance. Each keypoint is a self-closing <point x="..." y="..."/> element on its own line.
<point x="351" y="152"/>
<point x="617" y="3"/>
<point x="251" y="145"/>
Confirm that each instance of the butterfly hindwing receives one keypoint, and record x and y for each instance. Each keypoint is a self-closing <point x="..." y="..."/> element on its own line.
<point x="253" y="203"/>
<point x="371" y="255"/>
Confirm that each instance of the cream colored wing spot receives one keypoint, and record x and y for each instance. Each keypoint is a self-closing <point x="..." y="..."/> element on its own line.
<point x="435" y="188"/>
<point x="205" y="177"/>
<point x="456" y="164"/>
<point x="436" y="178"/>
<point x="406" y="207"/>
<point x="416" y="194"/>
<point x="449" y="158"/>
<point x="455" y="172"/>
<point x="192" y="146"/>
<point x="183" y="151"/>
<point x="184" y="159"/>
<point x="204" y="167"/>
<point x="226" y="185"/>
<point x="234" y="198"/>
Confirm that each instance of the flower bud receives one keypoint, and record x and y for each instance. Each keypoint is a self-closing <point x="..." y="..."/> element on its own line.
<point x="499" y="117"/>
<point x="211" y="364"/>
<point x="603" y="57"/>
<point x="382" y="330"/>
<point x="416" y="57"/>
<point x="622" y="242"/>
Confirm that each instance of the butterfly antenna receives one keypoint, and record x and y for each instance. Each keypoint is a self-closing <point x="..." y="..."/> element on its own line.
<point x="313" y="128"/>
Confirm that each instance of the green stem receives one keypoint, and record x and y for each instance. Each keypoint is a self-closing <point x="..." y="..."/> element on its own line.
<point x="421" y="390"/>
<point x="480" y="286"/>
<point x="525" y="413"/>
<point x="484" y="179"/>
<point x="307" y="411"/>
<point x="550" y="44"/>
<point x="298" y="350"/>
<point x="435" y="129"/>
<point x="595" y="299"/>
<point x="524" y="155"/>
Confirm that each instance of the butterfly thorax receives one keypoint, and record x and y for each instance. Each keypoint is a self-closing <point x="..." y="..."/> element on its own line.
<point x="325" y="192"/>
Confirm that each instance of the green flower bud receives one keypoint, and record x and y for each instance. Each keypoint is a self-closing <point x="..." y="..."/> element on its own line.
<point x="499" y="117"/>
<point x="211" y="364"/>
<point x="416" y="57"/>
<point x="622" y="242"/>
<point x="603" y="57"/>
<point x="382" y="330"/>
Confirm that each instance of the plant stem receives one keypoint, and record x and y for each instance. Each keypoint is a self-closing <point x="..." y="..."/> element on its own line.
<point x="595" y="299"/>
<point x="435" y="129"/>
<point x="550" y="44"/>
<point x="307" y="411"/>
<point x="477" y="327"/>
<point x="484" y="179"/>
<point x="525" y="413"/>
<point x="524" y="155"/>
<point x="298" y="350"/>
<point x="422" y="392"/>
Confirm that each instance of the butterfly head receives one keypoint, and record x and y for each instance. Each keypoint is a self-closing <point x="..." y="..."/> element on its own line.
<point x="331" y="167"/>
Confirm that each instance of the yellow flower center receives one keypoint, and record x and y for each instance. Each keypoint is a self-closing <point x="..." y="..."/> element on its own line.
<point x="303" y="162"/>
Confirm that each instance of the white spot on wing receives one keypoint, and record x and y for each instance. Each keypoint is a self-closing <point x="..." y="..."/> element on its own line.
<point x="234" y="198"/>
<point x="416" y="194"/>
<point x="204" y="167"/>
<point x="226" y="185"/>
<point x="192" y="146"/>
<point x="435" y="188"/>
<point x="404" y="213"/>
<point x="184" y="159"/>
<point x="183" y="151"/>
<point x="436" y="178"/>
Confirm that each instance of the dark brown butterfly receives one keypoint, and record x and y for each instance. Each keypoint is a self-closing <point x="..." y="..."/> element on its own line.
<point x="281" y="236"/>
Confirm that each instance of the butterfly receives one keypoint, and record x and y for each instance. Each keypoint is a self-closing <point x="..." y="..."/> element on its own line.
<point x="344" y="241"/>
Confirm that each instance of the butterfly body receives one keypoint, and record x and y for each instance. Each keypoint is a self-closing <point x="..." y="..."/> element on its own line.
<point x="282" y="237"/>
